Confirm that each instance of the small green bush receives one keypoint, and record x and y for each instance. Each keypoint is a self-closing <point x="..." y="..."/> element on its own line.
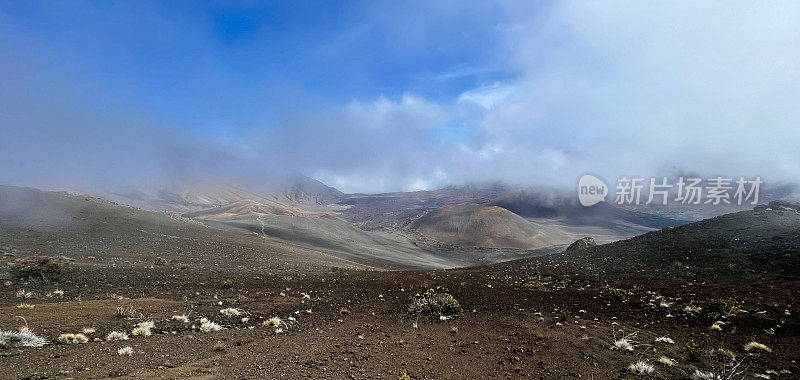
<point x="619" y="294"/>
<point x="534" y="287"/>
<point x="693" y="350"/>
<point x="724" y="306"/>
<point x="435" y="303"/>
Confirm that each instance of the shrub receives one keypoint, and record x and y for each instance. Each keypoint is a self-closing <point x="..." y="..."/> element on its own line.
<point x="721" y="306"/>
<point x="405" y="376"/>
<point x="435" y="303"/>
<point x="36" y="268"/>
<point x="693" y="350"/>
<point x="24" y="338"/>
<point x="619" y="294"/>
<point x="722" y="366"/>
<point x="534" y="287"/>
<point x="219" y="347"/>
<point x="227" y="284"/>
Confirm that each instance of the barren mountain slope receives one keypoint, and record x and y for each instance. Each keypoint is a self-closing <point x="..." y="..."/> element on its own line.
<point x="482" y="226"/>
<point x="49" y="223"/>
<point x="322" y="232"/>
<point x="763" y="241"/>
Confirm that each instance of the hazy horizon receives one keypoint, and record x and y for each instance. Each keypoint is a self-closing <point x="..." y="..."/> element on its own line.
<point x="381" y="96"/>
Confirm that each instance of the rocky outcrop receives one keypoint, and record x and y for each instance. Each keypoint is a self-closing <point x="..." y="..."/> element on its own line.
<point x="582" y="243"/>
<point x="778" y="206"/>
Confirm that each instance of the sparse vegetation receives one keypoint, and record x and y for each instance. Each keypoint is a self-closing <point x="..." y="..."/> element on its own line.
<point x="23" y="338"/>
<point x="144" y="329"/>
<point x="722" y="366"/>
<point x="442" y="304"/>
<point x="227" y="284"/>
<point x="117" y="335"/>
<point x="625" y="343"/>
<point x="534" y="287"/>
<point x="231" y="312"/>
<point x="664" y="339"/>
<point x="692" y="309"/>
<point x="180" y="318"/>
<point x="26" y="306"/>
<point x="756" y="346"/>
<point x="36" y="268"/>
<point x="273" y="322"/>
<point x="693" y="350"/>
<point x="619" y="294"/>
<point x="405" y="376"/>
<point x="208" y="326"/>
<point x="641" y="367"/>
<point x="666" y="361"/>
<point x="125" y="351"/>
<point x="219" y="347"/>
<point x="88" y="331"/>
<point x="726" y="306"/>
<point x="72" y="338"/>
<point x="124" y="312"/>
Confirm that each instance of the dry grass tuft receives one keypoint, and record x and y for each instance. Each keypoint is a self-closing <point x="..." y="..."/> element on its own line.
<point x="72" y="338"/>
<point x="124" y="312"/>
<point x="664" y="339"/>
<point x="273" y="322"/>
<point x="756" y="346"/>
<point x="24" y="338"/>
<point x="666" y="361"/>
<point x="144" y="329"/>
<point x="641" y="368"/>
<point x="231" y="312"/>
<point x="117" y="335"/>
<point x="208" y="326"/>
<point x="125" y="351"/>
<point x="180" y="318"/>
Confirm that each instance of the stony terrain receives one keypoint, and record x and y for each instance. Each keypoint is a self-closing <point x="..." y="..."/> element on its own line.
<point x="587" y="313"/>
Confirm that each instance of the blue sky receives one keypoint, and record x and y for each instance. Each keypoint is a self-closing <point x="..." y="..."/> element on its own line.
<point x="380" y="96"/>
<point x="227" y="67"/>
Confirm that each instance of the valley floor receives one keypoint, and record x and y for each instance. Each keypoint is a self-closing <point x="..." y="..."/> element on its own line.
<point x="353" y="323"/>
